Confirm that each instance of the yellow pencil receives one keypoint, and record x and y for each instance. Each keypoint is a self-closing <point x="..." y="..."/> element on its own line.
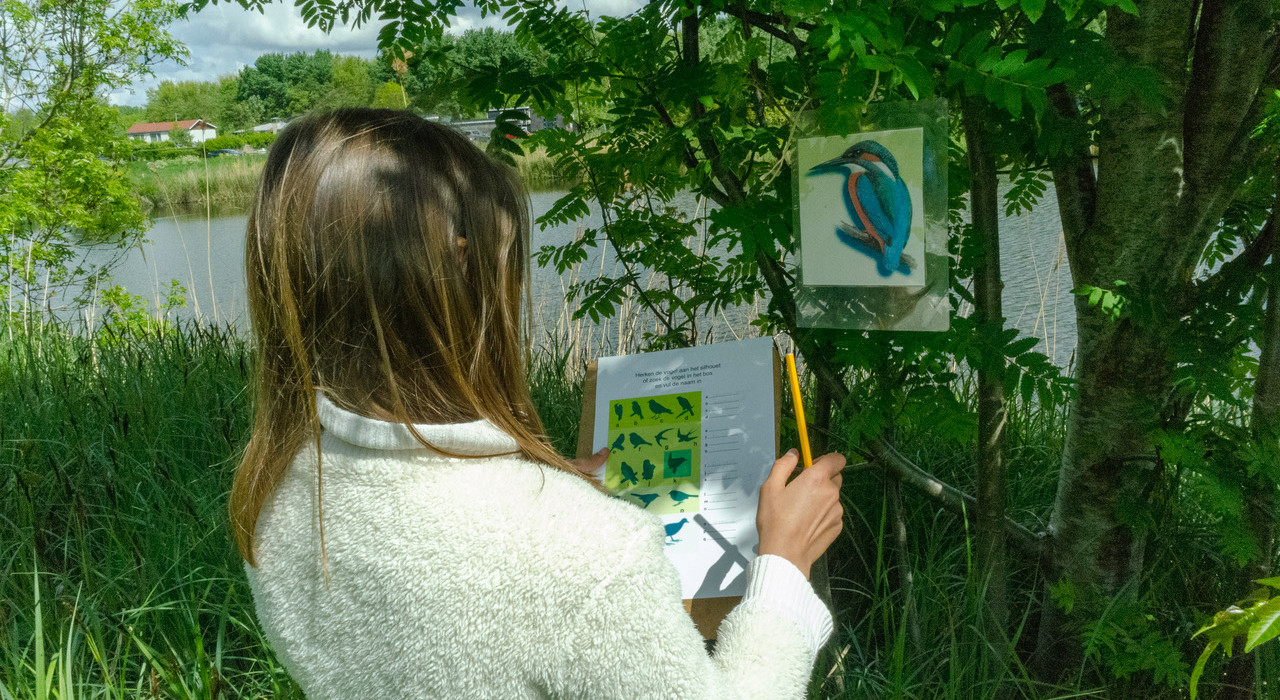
<point x="795" y="398"/>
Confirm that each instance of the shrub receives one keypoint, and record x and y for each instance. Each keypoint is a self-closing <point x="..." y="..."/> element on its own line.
<point x="237" y="141"/>
<point x="163" y="150"/>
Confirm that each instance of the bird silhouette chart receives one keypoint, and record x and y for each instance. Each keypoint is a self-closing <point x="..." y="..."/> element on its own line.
<point x="860" y="209"/>
<point x="655" y="448"/>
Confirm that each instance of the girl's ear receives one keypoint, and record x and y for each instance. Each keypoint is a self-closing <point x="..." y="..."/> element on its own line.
<point x="462" y="251"/>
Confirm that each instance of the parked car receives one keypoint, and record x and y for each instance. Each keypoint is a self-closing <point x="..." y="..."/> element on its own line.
<point x="223" y="152"/>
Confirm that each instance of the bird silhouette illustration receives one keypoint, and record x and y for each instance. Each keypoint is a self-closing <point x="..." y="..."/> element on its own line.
<point x="629" y="474"/>
<point x="646" y="498"/>
<point x="657" y="409"/>
<point x="685" y="407"/>
<point x="673" y="466"/>
<point x="680" y="496"/>
<point x="617" y="411"/>
<point x="649" y="469"/>
<point x="635" y="410"/>
<point x="618" y="442"/>
<point x="683" y="437"/>
<point x="659" y="438"/>
<point x="637" y="440"/>
<point x="877" y="202"/>
<point x="673" y="528"/>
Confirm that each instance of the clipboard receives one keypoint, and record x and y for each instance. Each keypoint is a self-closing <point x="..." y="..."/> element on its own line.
<point x="707" y="613"/>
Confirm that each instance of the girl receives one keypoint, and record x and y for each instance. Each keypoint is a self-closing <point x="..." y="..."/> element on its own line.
<point x="408" y="531"/>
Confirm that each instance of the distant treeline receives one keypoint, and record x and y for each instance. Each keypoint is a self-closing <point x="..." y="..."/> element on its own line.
<point x="281" y="86"/>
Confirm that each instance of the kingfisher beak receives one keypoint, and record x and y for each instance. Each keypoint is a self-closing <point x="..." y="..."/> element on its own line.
<point x="832" y="166"/>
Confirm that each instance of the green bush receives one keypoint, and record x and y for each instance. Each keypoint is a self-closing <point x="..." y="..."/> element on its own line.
<point x="163" y="150"/>
<point x="237" y="141"/>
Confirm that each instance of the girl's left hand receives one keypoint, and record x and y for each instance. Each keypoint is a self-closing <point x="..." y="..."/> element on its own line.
<point x="590" y="465"/>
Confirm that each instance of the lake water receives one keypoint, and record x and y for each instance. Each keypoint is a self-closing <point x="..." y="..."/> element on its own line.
<point x="206" y="256"/>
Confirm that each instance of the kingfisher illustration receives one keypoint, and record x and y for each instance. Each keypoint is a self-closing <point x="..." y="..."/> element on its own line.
<point x="877" y="202"/>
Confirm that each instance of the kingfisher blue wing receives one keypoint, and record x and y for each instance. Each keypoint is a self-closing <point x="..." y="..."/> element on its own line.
<point x="882" y="209"/>
<point x="869" y="210"/>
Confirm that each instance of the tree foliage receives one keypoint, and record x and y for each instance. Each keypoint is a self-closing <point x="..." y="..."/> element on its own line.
<point x="187" y="99"/>
<point x="61" y="148"/>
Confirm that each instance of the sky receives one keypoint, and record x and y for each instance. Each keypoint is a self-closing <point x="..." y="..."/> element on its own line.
<point x="224" y="38"/>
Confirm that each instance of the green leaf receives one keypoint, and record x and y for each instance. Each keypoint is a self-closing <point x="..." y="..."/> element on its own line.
<point x="1273" y="582"/>
<point x="1034" y="9"/>
<point x="1266" y="624"/>
<point x="1128" y="6"/>
<point x="1199" y="668"/>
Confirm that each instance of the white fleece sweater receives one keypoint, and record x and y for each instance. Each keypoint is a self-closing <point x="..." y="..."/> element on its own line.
<point x="498" y="578"/>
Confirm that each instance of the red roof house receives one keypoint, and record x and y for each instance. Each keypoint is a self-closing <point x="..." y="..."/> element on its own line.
<point x="153" y="132"/>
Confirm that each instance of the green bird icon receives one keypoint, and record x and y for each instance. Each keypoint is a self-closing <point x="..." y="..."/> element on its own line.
<point x="617" y="411"/>
<point x="635" y="410"/>
<point x="618" y="443"/>
<point x="673" y="466"/>
<point x="659" y="439"/>
<point x="680" y="496"/>
<point x="683" y="437"/>
<point x="685" y="406"/>
<point x="629" y="474"/>
<point x="658" y="409"/>
<point x="638" y="440"/>
<point x="646" y="498"/>
<point x="649" y="469"/>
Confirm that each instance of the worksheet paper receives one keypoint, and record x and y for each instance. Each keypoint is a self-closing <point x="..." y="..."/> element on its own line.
<point x="691" y="438"/>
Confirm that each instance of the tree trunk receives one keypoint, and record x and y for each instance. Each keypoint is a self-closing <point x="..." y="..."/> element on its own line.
<point x="992" y="417"/>
<point x="1124" y="367"/>
<point x="1260" y="490"/>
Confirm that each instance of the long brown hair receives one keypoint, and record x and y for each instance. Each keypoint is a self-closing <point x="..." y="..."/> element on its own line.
<point x="386" y="259"/>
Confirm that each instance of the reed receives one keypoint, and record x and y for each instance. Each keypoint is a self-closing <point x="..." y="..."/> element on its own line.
<point x="188" y="184"/>
<point x="119" y="579"/>
<point x="539" y="172"/>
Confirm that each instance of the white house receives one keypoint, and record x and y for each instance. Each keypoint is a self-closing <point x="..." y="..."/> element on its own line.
<point x="154" y="132"/>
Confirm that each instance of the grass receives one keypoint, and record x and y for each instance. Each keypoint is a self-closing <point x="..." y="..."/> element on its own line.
<point x="118" y="577"/>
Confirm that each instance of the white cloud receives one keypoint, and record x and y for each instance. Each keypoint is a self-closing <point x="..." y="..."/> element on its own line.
<point x="224" y="38"/>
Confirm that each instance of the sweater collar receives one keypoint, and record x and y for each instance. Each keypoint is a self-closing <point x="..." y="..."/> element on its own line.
<point x="475" y="438"/>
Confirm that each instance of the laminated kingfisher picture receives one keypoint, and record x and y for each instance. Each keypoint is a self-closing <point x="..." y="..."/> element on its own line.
<point x="861" y="215"/>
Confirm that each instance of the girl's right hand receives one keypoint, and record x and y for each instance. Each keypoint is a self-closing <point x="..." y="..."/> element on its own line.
<point x="799" y="520"/>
